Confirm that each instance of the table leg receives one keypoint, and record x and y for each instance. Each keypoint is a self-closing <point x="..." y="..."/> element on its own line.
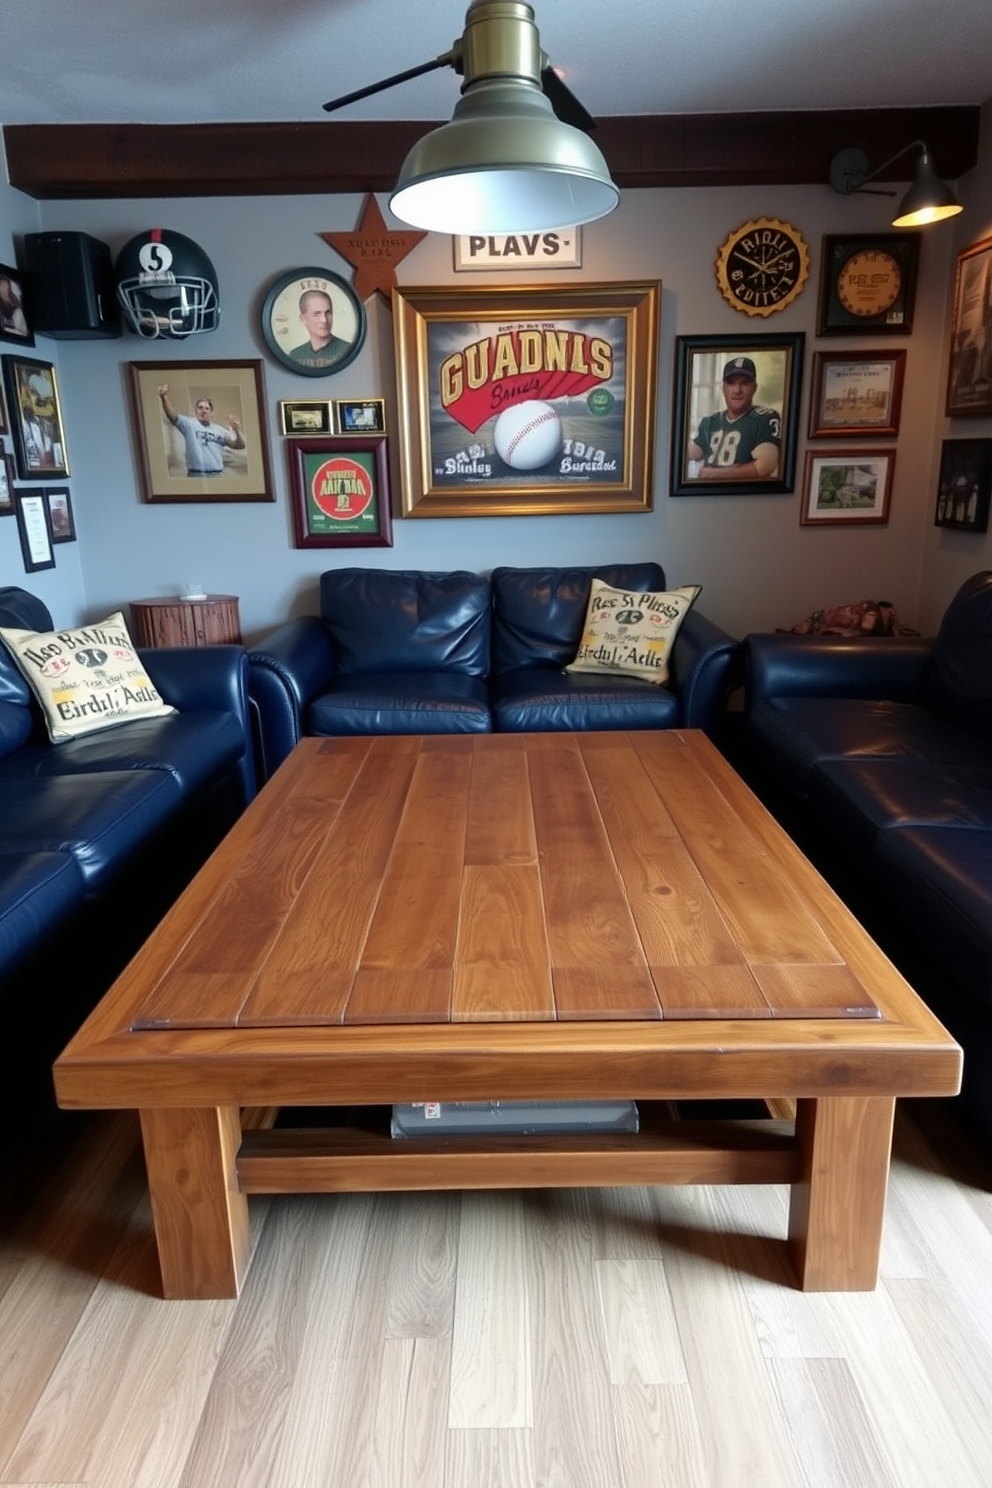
<point x="837" y="1208"/>
<point x="201" y="1219"/>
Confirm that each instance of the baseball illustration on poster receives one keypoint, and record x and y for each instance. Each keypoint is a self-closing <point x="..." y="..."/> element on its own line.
<point x="521" y="402"/>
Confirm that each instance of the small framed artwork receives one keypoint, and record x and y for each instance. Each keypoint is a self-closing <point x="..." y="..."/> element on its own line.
<point x="7" y="477"/>
<point x="60" y="515"/>
<point x="340" y="491"/>
<point x="4" y="421"/>
<point x="847" y="487"/>
<point x="969" y="373"/>
<point x="856" y="393"/>
<point x="313" y="322"/>
<point x="868" y="284"/>
<point x="35" y="418"/>
<point x="305" y="419"/>
<point x="964" y="484"/>
<point x="200" y="432"/>
<point x="35" y="530"/>
<point x="360" y="416"/>
<point x="14" y="324"/>
<point x="736" y="414"/>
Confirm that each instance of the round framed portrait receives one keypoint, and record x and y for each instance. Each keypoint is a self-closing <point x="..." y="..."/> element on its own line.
<point x="313" y="322"/>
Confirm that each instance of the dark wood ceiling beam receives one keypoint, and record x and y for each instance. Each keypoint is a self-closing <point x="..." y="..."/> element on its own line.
<point x="72" y="161"/>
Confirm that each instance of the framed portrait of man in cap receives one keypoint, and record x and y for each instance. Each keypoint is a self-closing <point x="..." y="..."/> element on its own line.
<point x="735" y="415"/>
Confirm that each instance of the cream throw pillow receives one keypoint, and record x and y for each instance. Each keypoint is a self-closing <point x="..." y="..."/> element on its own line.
<point x="630" y="633"/>
<point x="85" y="679"/>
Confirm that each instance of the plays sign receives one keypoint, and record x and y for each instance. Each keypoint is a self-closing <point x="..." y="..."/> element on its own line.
<point x="547" y="250"/>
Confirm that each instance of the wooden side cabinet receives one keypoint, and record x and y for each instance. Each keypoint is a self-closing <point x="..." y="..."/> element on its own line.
<point x="186" y="622"/>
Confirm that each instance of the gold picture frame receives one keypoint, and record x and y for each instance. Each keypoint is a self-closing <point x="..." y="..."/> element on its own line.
<point x="525" y="401"/>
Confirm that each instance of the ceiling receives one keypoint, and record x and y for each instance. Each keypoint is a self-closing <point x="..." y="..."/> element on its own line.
<point x="183" y="61"/>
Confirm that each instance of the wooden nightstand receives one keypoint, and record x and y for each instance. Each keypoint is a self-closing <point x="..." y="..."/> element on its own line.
<point x="175" y="621"/>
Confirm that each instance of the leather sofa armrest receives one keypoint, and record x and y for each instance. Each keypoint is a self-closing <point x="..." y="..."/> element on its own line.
<point x="704" y="670"/>
<point x="286" y="672"/>
<point x="788" y="665"/>
<point x="207" y="678"/>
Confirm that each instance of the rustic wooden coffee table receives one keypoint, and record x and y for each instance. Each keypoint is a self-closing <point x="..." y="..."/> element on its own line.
<point x="518" y="916"/>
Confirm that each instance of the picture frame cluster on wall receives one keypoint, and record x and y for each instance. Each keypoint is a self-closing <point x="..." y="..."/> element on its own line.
<point x="308" y="418"/>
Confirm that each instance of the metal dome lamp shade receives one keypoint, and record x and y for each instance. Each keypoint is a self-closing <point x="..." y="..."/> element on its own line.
<point x="505" y="163"/>
<point x="929" y="199"/>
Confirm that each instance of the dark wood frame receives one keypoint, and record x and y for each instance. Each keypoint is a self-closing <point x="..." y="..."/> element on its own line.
<point x="7" y="503"/>
<point x="819" y="425"/>
<point x="787" y="345"/>
<point x="16" y="338"/>
<point x="23" y="499"/>
<point x="70" y="533"/>
<point x="834" y="318"/>
<point x="159" y="481"/>
<point x="280" y="327"/>
<point x="313" y="529"/>
<point x="606" y="403"/>
<point x="17" y="370"/>
<point x="847" y="516"/>
<point x="970" y="461"/>
<point x="969" y="369"/>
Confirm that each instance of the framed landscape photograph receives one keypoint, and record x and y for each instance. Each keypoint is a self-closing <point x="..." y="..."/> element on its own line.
<point x="868" y="284"/>
<point x="856" y="393"/>
<point x="964" y="484"/>
<point x="519" y="401"/>
<point x="306" y="418"/>
<point x="35" y="418"/>
<point x="847" y="487"/>
<point x="340" y="492"/>
<point x="200" y="431"/>
<point x="736" y="413"/>
<point x="969" y="373"/>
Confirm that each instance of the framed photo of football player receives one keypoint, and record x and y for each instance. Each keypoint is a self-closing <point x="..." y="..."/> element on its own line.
<point x="736" y="413"/>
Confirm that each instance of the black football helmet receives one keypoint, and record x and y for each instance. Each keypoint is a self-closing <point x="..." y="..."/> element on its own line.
<point x="166" y="285"/>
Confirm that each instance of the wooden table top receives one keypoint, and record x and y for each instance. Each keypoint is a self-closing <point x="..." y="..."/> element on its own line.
<point x="504" y="877"/>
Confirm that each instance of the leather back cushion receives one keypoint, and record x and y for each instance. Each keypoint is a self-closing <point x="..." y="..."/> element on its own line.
<point x="20" y="610"/>
<point x="959" y="679"/>
<point x="538" y="613"/>
<point x="382" y="620"/>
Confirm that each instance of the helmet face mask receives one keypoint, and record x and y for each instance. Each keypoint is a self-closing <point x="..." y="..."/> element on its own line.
<point x="167" y="286"/>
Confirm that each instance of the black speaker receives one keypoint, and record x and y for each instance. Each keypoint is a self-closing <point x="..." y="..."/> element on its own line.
<point x="73" y="291"/>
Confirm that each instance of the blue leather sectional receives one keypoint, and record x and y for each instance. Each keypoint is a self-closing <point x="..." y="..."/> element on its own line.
<point x="98" y="834"/>
<point x="878" y="755"/>
<point x="409" y="651"/>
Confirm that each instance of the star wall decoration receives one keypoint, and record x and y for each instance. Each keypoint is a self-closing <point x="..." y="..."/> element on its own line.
<point x="373" y="250"/>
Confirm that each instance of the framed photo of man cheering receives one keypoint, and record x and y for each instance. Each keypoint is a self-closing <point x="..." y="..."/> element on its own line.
<point x="736" y="414"/>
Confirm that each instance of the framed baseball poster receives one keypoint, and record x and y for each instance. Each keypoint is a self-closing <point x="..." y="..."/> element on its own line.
<point x="523" y="401"/>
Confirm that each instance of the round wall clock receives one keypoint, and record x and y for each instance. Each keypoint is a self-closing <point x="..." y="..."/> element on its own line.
<point x="762" y="266"/>
<point x="869" y="282"/>
<point x="313" y="322"/>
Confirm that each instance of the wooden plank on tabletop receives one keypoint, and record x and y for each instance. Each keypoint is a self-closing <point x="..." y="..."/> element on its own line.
<point x="414" y="928"/>
<point x="501" y="970"/>
<point x="308" y="976"/>
<point x="589" y="922"/>
<point x="709" y="992"/>
<point x="814" y="992"/>
<point x="769" y="919"/>
<point x="500" y="827"/>
<point x="206" y="982"/>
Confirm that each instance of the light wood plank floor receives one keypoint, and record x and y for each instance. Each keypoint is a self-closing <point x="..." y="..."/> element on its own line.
<point x="611" y="1338"/>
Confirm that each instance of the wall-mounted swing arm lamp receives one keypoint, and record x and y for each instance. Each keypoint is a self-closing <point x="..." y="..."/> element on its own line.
<point x="929" y="199"/>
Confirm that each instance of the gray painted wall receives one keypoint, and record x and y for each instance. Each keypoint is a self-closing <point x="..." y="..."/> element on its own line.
<point x="759" y="568"/>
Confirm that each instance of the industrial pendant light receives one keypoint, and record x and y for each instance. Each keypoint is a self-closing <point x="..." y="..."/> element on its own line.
<point x="505" y="163"/>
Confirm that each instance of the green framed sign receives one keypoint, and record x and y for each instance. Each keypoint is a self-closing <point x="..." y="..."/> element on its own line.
<point x="340" y="492"/>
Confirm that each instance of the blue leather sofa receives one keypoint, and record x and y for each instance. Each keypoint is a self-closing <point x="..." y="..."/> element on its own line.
<point x="877" y="754"/>
<point x="410" y="651"/>
<point x="98" y="834"/>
